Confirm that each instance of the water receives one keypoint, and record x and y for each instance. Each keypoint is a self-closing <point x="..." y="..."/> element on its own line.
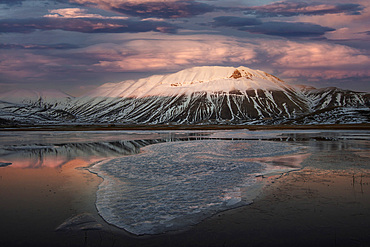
<point x="170" y="186"/>
<point x="37" y="149"/>
<point x="159" y="181"/>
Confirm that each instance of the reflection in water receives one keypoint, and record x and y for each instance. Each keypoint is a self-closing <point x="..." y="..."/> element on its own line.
<point x="55" y="149"/>
<point x="215" y="173"/>
<point x="2" y="164"/>
<point x="38" y="156"/>
<point x="36" y="149"/>
<point x="291" y="161"/>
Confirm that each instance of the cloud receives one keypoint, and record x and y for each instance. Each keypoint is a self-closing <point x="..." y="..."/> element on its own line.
<point x="28" y="64"/>
<point x="288" y="29"/>
<point x="143" y="53"/>
<point x="152" y="8"/>
<point x="289" y="59"/>
<point x="170" y="53"/>
<point x="77" y="13"/>
<point x="287" y="8"/>
<point x="38" y="47"/>
<point x="12" y="2"/>
<point x="316" y="60"/>
<point x="163" y="52"/>
<point x="348" y="27"/>
<point x="153" y="53"/>
<point x="318" y="55"/>
<point x="83" y="25"/>
<point x="233" y="21"/>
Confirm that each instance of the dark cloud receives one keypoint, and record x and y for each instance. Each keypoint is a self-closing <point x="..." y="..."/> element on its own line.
<point x="178" y="9"/>
<point x="288" y="29"/>
<point x="19" y="2"/>
<point x="84" y="25"/>
<point x="286" y="9"/>
<point x="232" y="21"/>
<point x="11" y="2"/>
<point x="39" y="47"/>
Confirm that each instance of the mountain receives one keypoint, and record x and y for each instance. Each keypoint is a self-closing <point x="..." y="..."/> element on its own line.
<point x="41" y="98"/>
<point x="31" y="106"/>
<point x="334" y="106"/>
<point x="205" y="95"/>
<point x="200" y="94"/>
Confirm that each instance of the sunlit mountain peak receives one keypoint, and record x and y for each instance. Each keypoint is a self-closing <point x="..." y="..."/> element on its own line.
<point x="197" y="79"/>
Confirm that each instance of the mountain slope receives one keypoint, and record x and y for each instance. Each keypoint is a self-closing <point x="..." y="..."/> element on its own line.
<point x="41" y="98"/>
<point x="335" y="106"/>
<point x="200" y="95"/>
<point x="333" y="97"/>
<point x="32" y="106"/>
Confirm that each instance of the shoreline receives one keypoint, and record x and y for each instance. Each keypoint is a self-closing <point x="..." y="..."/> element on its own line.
<point x="43" y="200"/>
<point x="326" y="203"/>
<point x="312" y="206"/>
<point x="306" y="207"/>
<point x="112" y="127"/>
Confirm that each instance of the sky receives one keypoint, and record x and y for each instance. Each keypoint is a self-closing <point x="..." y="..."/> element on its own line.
<point x="77" y="45"/>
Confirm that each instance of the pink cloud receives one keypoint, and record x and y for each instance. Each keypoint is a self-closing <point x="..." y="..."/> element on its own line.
<point x="290" y="59"/>
<point x="116" y="3"/>
<point x="26" y="64"/>
<point x="151" y="8"/>
<point x="171" y="53"/>
<point x="326" y="74"/>
<point x="290" y="8"/>
<point x="77" y="13"/>
<point x="309" y="59"/>
<point x="347" y="26"/>
<point x="317" y="60"/>
<point x="317" y="55"/>
<point x="156" y="52"/>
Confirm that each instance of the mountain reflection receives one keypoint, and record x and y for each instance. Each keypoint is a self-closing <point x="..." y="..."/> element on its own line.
<point x="37" y="156"/>
<point x="55" y="149"/>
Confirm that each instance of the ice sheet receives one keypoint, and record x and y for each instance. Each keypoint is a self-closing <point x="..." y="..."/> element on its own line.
<point x="170" y="186"/>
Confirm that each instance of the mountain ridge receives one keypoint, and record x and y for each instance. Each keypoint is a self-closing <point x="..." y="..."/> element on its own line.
<point x="199" y="95"/>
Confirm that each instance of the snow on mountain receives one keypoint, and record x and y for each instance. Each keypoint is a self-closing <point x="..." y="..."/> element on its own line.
<point x="335" y="115"/>
<point x="35" y="97"/>
<point x="198" y="79"/>
<point x="200" y="95"/>
<point x="333" y="97"/>
<point x="31" y="106"/>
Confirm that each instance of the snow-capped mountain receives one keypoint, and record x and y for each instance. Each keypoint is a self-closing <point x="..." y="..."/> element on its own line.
<point x="41" y="98"/>
<point x="334" y="97"/>
<point x="188" y="81"/>
<point x="31" y="106"/>
<point x="202" y="95"/>
<point x="335" y="106"/>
